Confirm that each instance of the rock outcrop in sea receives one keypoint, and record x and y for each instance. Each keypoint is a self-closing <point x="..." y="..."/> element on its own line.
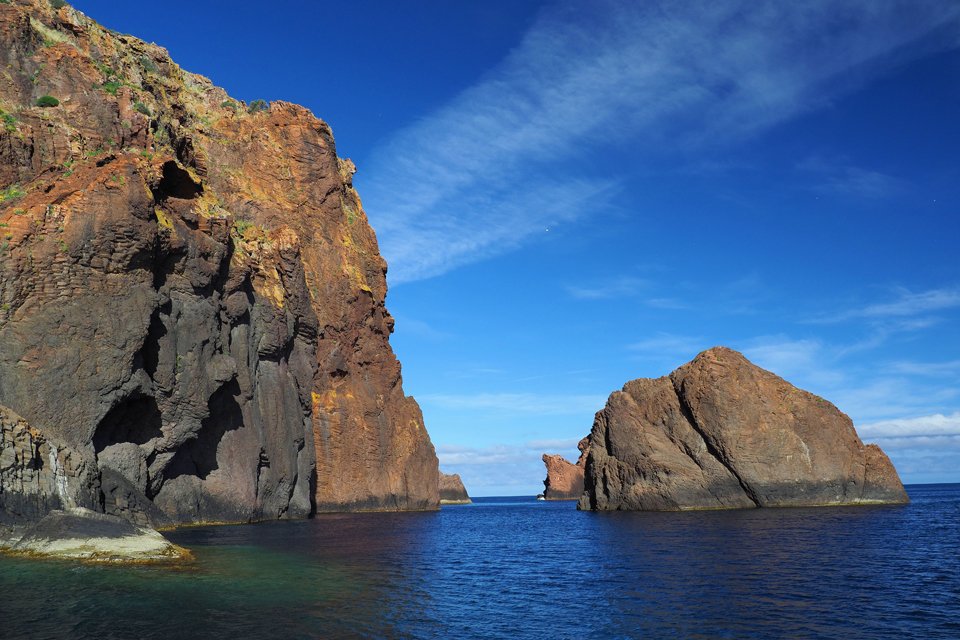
<point x="564" y="479"/>
<point x="721" y="433"/>
<point x="452" y="490"/>
<point x="82" y="534"/>
<point x="192" y="320"/>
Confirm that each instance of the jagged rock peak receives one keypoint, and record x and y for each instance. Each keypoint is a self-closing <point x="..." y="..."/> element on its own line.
<point x="564" y="479"/>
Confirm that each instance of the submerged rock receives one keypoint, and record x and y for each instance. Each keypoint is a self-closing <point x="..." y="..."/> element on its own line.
<point x="191" y="297"/>
<point x="82" y="534"/>
<point x="564" y="479"/>
<point x="719" y="433"/>
<point x="452" y="490"/>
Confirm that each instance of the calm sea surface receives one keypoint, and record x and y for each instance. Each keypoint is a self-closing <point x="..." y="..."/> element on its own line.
<point x="516" y="568"/>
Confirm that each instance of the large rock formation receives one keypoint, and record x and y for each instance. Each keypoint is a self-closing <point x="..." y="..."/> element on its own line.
<point x="564" y="479"/>
<point x="452" y="490"/>
<point x="720" y="432"/>
<point x="191" y="298"/>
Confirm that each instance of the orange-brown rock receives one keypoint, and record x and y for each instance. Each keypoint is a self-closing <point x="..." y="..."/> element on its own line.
<point x="191" y="296"/>
<point x="452" y="490"/>
<point x="564" y="479"/>
<point x="720" y="432"/>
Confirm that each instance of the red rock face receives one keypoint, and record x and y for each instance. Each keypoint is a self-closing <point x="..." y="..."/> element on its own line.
<point x="720" y="432"/>
<point x="452" y="490"/>
<point x="190" y="294"/>
<point x="564" y="479"/>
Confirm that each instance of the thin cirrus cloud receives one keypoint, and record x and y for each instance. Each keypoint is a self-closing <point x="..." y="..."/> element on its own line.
<point x="512" y="403"/>
<point x="839" y="177"/>
<point x="620" y="287"/>
<point x="511" y="156"/>
<point x="903" y="310"/>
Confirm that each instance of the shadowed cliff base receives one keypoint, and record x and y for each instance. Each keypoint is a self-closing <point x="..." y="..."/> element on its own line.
<point x="722" y="433"/>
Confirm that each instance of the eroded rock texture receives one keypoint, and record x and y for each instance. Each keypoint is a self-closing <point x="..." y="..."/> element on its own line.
<point x="720" y="432"/>
<point x="452" y="490"/>
<point x="564" y="479"/>
<point x="36" y="475"/>
<point x="191" y="297"/>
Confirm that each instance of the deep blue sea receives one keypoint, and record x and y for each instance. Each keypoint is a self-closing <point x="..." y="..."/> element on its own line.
<point x="517" y="568"/>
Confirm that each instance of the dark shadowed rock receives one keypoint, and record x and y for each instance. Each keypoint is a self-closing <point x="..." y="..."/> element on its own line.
<point x="720" y="432"/>
<point x="564" y="479"/>
<point x="191" y="298"/>
<point x="452" y="490"/>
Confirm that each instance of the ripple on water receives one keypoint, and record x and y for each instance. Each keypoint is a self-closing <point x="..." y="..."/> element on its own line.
<point x="510" y="568"/>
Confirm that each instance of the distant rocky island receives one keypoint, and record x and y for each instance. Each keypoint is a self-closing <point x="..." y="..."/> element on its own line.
<point x="192" y="319"/>
<point x="722" y="433"/>
<point x="564" y="479"/>
<point x="452" y="490"/>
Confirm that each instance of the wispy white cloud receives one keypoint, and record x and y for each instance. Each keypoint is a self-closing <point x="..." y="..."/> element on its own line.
<point x="550" y="446"/>
<point x="415" y="327"/>
<point x="866" y="394"/>
<point x="508" y="158"/>
<point x="678" y="348"/>
<point x="903" y="309"/>
<point x="617" y="287"/>
<point x="936" y="425"/>
<point x="911" y="303"/>
<point x="666" y="303"/>
<point x="842" y="178"/>
<point x="540" y="404"/>
<point x="935" y="369"/>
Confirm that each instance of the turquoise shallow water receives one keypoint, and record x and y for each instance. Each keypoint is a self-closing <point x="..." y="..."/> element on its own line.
<point x="516" y="568"/>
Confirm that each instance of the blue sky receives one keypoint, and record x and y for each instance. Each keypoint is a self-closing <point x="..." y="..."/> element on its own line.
<point x="571" y="195"/>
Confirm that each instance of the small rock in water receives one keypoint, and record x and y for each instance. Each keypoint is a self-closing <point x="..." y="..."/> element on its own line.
<point x="82" y="534"/>
<point x="452" y="490"/>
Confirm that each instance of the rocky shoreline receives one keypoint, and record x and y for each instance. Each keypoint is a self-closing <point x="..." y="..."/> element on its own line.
<point x="82" y="534"/>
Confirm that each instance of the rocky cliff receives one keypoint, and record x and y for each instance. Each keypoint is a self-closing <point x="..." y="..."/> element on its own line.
<point x="452" y="490"/>
<point x="720" y="432"/>
<point x="38" y="476"/>
<point x="191" y="298"/>
<point x="564" y="479"/>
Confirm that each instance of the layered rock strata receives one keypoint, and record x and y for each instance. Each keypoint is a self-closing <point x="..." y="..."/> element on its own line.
<point x="191" y="297"/>
<point x="719" y="433"/>
<point x="452" y="490"/>
<point x="38" y="476"/>
<point x="564" y="479"/>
